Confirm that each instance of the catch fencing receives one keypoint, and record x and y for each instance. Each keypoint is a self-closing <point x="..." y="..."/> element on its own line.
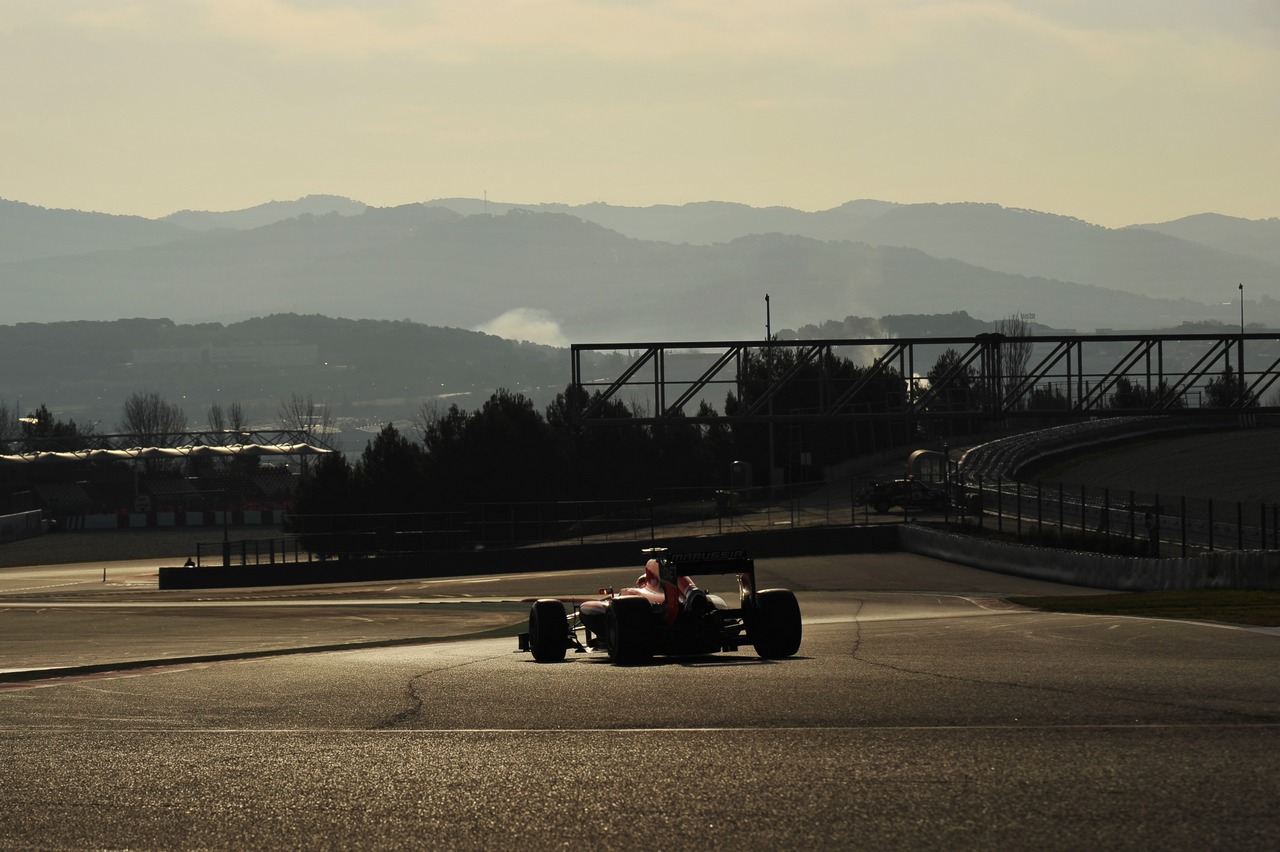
<point x="1112" y="520"/>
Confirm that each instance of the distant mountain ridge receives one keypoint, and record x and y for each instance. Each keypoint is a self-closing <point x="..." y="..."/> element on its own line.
<point x="28" y="232"/>
<point x="266" y="214"/>
<point x="1256" y="238"/>
<point x="601" y="272"/>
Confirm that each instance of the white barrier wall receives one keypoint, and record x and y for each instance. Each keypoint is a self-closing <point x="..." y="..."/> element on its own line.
<point x="1220" y="569"/>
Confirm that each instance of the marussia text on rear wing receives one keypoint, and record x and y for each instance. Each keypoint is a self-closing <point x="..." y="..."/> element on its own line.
<point x="709" y="562"/>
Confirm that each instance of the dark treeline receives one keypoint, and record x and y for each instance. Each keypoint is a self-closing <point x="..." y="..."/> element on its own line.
<point x="508" y="451"/>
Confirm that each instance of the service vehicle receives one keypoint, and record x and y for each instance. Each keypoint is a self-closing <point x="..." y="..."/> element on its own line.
<point x="906" y="493"/>
<point x="666" y="613"/>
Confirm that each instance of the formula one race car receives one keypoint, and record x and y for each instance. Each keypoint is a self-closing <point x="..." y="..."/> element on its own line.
<point x="666" y="613"/>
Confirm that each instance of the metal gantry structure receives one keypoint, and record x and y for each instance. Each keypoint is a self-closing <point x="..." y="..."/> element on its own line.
<point x="1066" y="375"/>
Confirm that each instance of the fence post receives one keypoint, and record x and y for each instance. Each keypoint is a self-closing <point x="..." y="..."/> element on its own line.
<point x="1182" y="511"/>
<point x="1061" y="512"/>
<point x="1040" y="511"/>
<point x="1155" y="532"/>
<point x="1018" y="495"/>
<point x="1239" y="525"/>
<point x="999" y="503"/>
<point x="1084" y="513"/>
<point x="1211" y="524"/>
<point x="1132" y="527"/>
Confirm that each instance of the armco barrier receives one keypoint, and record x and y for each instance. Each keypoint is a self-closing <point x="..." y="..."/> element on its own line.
<point x="613" y="554"/>
<point x="1224" y="569"/>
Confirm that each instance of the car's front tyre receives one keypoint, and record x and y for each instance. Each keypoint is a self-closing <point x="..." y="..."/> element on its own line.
<point x="548" y="631"/>
<point x="628" y="630"/>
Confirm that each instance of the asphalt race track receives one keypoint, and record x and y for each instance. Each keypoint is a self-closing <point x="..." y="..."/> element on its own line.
<point x="924" y="711"/>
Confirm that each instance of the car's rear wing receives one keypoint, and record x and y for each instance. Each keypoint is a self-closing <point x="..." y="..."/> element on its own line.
<point x="712" y="562"/>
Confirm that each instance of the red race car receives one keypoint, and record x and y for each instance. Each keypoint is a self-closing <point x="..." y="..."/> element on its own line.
<point x="666" y="613"/>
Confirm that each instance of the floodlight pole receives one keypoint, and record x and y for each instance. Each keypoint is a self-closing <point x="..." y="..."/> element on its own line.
<point x="1240" y="349"/>
<point x="768" y="336"/>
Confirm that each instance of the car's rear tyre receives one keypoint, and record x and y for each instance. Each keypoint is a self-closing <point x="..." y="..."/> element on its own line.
<point x="880" y="507"/>
<point x="628" y="630"/>
<point x="774" y="628"/>
<point x="548" y="631"/>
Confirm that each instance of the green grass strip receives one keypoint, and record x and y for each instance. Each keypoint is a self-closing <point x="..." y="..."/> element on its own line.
<point x="1254" y="608"/>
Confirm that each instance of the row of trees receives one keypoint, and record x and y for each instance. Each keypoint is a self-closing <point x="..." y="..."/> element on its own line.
<point x="508" y="451"/>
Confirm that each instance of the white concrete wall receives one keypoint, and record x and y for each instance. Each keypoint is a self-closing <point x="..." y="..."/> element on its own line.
<point x="1220" y="569"/>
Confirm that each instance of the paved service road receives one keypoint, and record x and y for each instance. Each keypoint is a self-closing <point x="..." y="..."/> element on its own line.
<point x="923" y="711"/>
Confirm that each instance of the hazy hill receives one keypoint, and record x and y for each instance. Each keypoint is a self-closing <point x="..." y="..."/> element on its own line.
<point x="1254" y="238"/>
<point x="364" y="368"/>
<point x="699" y="223"/>
<point x="435" y="266"/>
<point x="28" y="232"/>
<point x="1177" y="261"/>
<point x="1025" y="242"/>
<point x="266" y="214"/>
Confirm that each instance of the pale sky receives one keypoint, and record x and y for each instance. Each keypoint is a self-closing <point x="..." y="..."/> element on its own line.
<point x="1113" y="111"/>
